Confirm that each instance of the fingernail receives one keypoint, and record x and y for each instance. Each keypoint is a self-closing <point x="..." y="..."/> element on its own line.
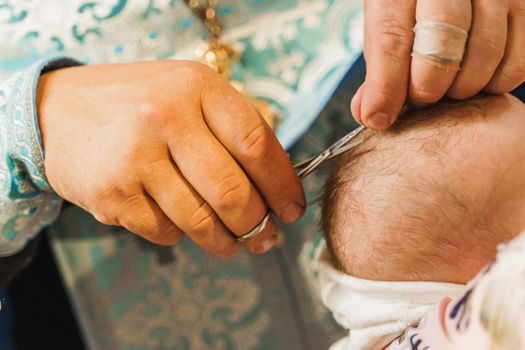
<point x="266" y="245"/>
<point x="378" y="121"/>
<point x="292" y="212"/>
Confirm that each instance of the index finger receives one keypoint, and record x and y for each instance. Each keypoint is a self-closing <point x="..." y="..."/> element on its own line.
<point x="389" y="38"/>
<point x="244" y="133"/>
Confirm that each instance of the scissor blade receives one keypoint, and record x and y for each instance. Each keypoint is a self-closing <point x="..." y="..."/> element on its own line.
<point x="345" y="139"/>
<point x="342" y="145"/>
<point x="345" y="148"/>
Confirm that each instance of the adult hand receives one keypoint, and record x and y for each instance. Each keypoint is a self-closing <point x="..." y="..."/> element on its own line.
<point x="165" y="148"/>
<point x="494" y="59"/>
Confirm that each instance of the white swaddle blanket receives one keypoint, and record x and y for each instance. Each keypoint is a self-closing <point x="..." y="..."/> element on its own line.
<point x="375" y="312"/>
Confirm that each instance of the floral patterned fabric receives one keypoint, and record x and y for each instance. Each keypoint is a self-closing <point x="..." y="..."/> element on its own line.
<point x="128" y="294"/>
<point x="294" y="54"/>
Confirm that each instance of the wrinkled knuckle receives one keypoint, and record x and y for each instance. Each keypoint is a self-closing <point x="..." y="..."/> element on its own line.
<point x="256" y="145"/>
<point x="132" y="204"/>
<point x="395" y="40"/>
<point x="232" y="192"/>
<point x="203" y="222"/>
<point x="134" y="217"/>
<point x="106" y="192"/>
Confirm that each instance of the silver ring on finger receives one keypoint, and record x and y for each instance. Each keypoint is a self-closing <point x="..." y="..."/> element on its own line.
<point x="256" y="230"/>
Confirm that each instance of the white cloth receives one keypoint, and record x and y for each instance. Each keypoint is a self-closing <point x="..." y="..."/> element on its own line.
<point x="375" y="312"/>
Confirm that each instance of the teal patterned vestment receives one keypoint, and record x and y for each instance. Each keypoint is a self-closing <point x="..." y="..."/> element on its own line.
<point x="295" y="53"/>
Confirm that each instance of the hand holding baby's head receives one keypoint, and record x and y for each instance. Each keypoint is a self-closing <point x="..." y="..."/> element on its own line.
<point x="430" y="199"/>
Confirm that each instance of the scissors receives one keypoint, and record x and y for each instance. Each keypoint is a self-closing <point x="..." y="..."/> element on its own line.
<point x="306" y="167"/>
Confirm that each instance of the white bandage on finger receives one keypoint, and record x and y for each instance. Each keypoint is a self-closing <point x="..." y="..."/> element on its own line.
<point x="440" y="42"/>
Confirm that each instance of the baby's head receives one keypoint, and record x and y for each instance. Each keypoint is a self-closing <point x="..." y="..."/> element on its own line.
<point x="430" y="199"/>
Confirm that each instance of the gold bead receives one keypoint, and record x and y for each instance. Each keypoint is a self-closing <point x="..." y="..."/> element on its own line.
<point x="216" y="30"/>
<point x="210" y="13"/>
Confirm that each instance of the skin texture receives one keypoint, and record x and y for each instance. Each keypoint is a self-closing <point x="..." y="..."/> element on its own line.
<point x="165" y="148"/>
<point x="494" y="60"/>
<point x="431" y="198"/>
